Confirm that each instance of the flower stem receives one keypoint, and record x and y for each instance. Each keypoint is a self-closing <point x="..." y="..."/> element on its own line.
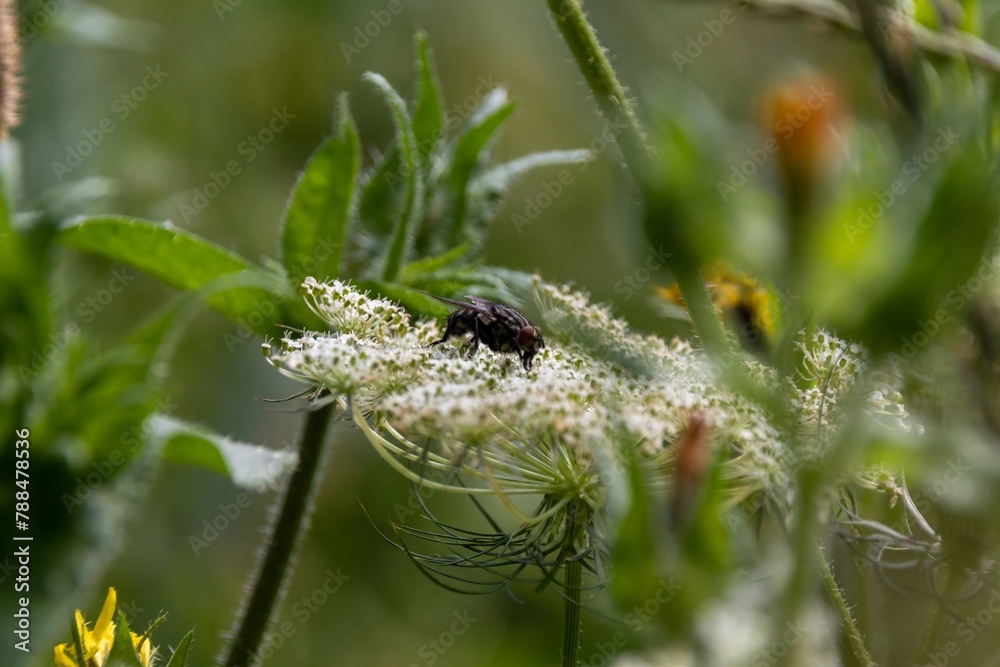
<point x="571" y="630"/>
<point x="283" y="543"/>
<point x="621" y="117"/>
<point x="858" y="655"/>
<point x="600" y="76"/>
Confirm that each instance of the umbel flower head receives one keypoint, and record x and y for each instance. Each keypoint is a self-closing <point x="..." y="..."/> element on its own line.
<point x="550" y="445"/>
<point x="98" y="642"/>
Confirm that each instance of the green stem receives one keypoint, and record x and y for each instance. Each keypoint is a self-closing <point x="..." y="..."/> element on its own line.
<point x="953" y="45"/>
<point x="703" y="317"/>
<point x="802" y="542"/>
<point x="620" y="115"/>
<point x="937" y="624"/>
<point x="283" y="543"/>
<point x="571" y="630"/>
<point x="854" y="642"/>
<point x="600" y="76"/>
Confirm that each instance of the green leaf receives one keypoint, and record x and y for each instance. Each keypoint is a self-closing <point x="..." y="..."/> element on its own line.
<point x="414" y="270"/>
<point x="317" y="216"/>
<point x="253" y="467"/>
<point x="428" y="115"/>
<point x="501" y="177"/>
<point x="122" y="651"/>
<point x="376" y="210"/>
<point x="953" y="242"/>
<point x="468" y="156"/>
<point x="412" y="299"/>
<point x="411" y="173"/>
<point x="179" y="258"/>
<point x="103" y="400"/>
<point x="179" y="658"/>
<point x="459" y="282"/>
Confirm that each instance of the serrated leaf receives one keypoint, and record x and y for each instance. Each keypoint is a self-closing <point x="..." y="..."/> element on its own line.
<point x="411" y="173"/>
<point x="317" y="215"/>
<point x="181" y="259"/>
<point x="122" y="651"/>
<point x="179" y="658"/>
<point x="467" y="158"/>
<point x="252" y="467"/>
<point x="428" y="116"/>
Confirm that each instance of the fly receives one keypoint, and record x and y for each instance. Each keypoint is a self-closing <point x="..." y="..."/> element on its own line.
<point x="499" y="327"/>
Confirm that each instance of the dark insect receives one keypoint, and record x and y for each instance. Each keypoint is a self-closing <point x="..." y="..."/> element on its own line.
<point x="499" y="327"/>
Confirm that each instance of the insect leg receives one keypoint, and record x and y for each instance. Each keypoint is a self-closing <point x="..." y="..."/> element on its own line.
<point x="449" y="331"/>
<point x="475" y="337"/>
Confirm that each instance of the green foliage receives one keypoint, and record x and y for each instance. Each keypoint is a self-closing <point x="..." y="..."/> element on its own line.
<point x="179" y="657"/>
<point x="250" y="466"/>
<point x="179" y="258"/>
<point x="320" y="206"/>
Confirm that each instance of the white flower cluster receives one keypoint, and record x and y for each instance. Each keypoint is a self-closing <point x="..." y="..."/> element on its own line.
<point x="349" y="311"/>
<point x="596" y="385"/>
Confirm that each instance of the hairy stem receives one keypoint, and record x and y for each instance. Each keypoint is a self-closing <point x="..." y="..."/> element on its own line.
<point x="602" y="80"/>
<point x="854" y="643"/>
<point x="953" y="45"/>
<point x="620" y="115"/>
<point x="283" y="542"/>
<point x="571" y="630"/>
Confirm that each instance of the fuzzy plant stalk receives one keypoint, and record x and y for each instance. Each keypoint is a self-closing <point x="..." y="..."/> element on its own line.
<point x="283" y="542"/>
<point x="857" y="652"/>
<point x="620" y="114"/>
<point x="573" y="605"/>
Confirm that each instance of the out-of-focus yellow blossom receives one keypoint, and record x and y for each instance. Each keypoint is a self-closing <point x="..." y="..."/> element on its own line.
<point x="97" y="643"/>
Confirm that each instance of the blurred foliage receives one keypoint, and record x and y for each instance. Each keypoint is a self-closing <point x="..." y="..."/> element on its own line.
<point x="890" y="241"/>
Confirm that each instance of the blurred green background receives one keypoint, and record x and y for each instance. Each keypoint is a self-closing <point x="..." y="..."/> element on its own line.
<point x="228" y="65"/>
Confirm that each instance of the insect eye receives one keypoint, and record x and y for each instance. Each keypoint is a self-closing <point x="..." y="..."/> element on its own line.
<point x="526" y="336"/>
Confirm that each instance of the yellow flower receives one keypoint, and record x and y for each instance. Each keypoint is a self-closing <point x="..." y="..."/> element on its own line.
<point x="733" y="293"/>
<point x="742" y="302"/>
<point x="97" y="643"/>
